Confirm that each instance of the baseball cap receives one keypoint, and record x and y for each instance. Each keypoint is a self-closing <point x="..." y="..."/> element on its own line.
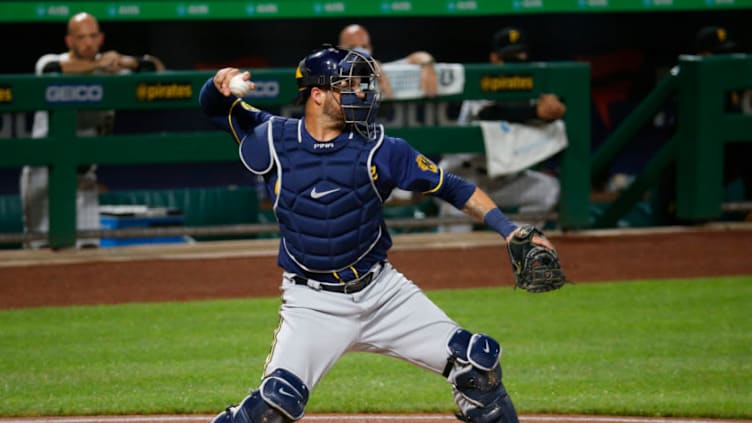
<point x="714" y="39"/>
<point x="509" y="40"/>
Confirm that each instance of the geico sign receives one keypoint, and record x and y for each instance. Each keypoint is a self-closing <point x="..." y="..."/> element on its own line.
<point x="265" y="89"/>
<point x="74" y="93"/>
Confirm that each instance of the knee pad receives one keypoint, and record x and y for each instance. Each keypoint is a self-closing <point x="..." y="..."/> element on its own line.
<point x="479" y="350"/>
<point x="285" y="392"/>
<point x="474" y="371"/>
<point x="281" y="398"/>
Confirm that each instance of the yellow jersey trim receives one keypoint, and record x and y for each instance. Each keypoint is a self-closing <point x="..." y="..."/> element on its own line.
<point x="441" y="182"/>
<point x="229" y="120"/>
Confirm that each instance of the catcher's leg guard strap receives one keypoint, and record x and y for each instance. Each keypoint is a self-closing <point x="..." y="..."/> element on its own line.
<point x="501" y="410"/>
<point x="473" y="370"/>
<point x="281" y="398"/>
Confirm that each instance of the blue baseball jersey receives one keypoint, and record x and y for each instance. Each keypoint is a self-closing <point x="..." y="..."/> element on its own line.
<point x="328" y="196"/>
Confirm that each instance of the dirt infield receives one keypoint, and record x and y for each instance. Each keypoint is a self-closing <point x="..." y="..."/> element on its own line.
<point x="248" y="268"/>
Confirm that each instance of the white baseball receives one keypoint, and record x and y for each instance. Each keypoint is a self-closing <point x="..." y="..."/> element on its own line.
<point x="238" y="86"/>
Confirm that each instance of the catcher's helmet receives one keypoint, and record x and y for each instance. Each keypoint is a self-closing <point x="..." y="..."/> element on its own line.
<point x="350" y="72"/>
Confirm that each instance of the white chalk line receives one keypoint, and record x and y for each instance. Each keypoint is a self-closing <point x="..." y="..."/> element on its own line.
<point x="361" y="417"/>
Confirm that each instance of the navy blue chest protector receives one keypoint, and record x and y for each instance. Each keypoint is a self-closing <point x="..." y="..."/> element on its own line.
<point x="327" y="206"/>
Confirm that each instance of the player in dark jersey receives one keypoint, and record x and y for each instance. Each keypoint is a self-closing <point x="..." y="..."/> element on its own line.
<point x="328" y="175"/>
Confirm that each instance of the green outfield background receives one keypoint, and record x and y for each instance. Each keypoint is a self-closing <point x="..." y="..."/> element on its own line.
<point x="647" y="348"/>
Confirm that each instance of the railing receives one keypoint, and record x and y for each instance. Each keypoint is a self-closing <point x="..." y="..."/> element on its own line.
<point x="64" y="95"/>
<point x="704" y="126"/>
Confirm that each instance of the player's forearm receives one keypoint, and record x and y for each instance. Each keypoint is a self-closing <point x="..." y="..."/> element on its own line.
<point x="128" y="62"/>
<point x="79" y="66"/>
<point x="511" y="111"/>
<point x="422" y="58"/>
<point x="214" y="103"/>
<point x="109" y="62"/>
<point x="483" y="209"/>
<point x="229" y="113"/>
<point x="478" y="205"/>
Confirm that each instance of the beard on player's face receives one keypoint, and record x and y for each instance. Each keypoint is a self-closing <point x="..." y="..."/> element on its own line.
<point x="333" y="110"/>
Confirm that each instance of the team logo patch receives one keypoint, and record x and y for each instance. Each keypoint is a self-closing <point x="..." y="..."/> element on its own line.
<point x="425" y="164"/>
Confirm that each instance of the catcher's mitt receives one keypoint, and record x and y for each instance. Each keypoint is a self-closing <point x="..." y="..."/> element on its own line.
<point x="536" y="268"/>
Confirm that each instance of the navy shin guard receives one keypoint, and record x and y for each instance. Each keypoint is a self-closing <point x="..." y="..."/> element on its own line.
<point x="474" y="371"/>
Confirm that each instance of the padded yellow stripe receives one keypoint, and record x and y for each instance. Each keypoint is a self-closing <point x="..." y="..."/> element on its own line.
<point x="355" y="272"/>
<point x="338" y="277"/>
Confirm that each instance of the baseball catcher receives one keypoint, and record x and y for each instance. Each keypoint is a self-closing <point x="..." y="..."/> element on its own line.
<point x="536" y="265"/>
<point x="329" y="174"/>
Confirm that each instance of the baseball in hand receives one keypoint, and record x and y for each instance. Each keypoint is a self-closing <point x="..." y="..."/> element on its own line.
<point x="238" y="86"/>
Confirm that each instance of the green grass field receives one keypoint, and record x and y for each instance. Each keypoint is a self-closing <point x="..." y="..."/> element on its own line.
<point x="652" y="348"/>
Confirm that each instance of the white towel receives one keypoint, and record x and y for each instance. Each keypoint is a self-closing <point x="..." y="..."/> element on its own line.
<point x="405" y="79"/>
<point x="512" y="147"/>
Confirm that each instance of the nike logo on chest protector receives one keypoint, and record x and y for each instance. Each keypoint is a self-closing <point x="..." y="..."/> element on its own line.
<point x="316" y="194"/>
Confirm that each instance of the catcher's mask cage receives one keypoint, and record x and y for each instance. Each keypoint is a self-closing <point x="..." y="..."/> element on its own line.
<point x="353" y="74"/>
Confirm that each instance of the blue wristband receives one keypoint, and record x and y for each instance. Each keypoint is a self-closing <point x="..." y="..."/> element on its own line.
<point x="496" y="220"/>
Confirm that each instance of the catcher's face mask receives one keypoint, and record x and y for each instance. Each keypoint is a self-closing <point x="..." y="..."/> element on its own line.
<point x="357" y="84"/>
